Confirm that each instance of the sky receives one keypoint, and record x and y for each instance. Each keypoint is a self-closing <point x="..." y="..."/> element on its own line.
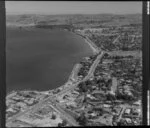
<point x="72" y="7"/>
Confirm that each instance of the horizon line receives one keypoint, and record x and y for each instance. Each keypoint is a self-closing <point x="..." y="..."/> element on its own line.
<point x="74" y="14"/>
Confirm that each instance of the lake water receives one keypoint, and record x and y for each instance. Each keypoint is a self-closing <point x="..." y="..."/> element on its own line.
<point x="41" y="59"/>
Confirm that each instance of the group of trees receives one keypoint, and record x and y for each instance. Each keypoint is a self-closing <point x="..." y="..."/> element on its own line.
<point x="82" y="87"/>
<point x="63" y="124"/>
<point x="82" y="119"/>
<point x="123" y="96"/>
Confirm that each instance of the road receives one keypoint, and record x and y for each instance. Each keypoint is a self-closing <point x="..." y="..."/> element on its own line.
<point x="93" y="67"/>
<point x="93" y="45"/>
<point x="22" y="123"/>
<point x="114" y="84"/>
<point x="38" y="105"/>
<point x="120" y="115"/>
<point x="116" y="39"/>
<point x="90" y="74"/>
<point x="65" y="115"/>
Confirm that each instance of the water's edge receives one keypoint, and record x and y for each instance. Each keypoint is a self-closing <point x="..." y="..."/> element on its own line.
<point x="88" y="42"/>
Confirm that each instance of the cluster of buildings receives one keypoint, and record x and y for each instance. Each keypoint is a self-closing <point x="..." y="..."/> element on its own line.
<point x="129" y="37"/>
<point x="42" y="116"/>
<point x="130" y="116"/>
<point x="20" y="101"/>
<point x="86" y="64"/>
<point x="128" y="42"/>
<point x="111" y="96"/>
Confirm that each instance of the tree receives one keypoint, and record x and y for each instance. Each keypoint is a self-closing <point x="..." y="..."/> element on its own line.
<point x="110" y="97"/>
<point x="83" y="87"/>
<point x="53" y="116"/>
<point x="64" y="123"/>
<point x="59" y="124"/>
<point x="88" y="82"/>
<point x="106" y="55"/>
<point x="82" y="119"/>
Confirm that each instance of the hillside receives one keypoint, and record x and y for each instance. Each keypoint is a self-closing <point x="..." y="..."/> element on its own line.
<point x="78" y="20"/>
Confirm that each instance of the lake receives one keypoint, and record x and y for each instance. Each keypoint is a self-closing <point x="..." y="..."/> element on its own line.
<point x="41" y="59"/>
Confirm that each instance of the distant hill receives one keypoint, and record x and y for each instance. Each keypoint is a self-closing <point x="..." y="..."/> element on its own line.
<point x="76" y="19"/>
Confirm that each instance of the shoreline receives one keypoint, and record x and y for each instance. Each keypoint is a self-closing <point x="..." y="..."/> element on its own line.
<point x="94" y="48"/>
<point x="74" y="70"/>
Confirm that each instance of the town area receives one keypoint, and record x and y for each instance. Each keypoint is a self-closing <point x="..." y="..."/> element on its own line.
<point x="104" y="89"/>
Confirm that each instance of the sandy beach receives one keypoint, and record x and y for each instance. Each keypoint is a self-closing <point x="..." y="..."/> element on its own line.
<point x="94" y="48"/>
